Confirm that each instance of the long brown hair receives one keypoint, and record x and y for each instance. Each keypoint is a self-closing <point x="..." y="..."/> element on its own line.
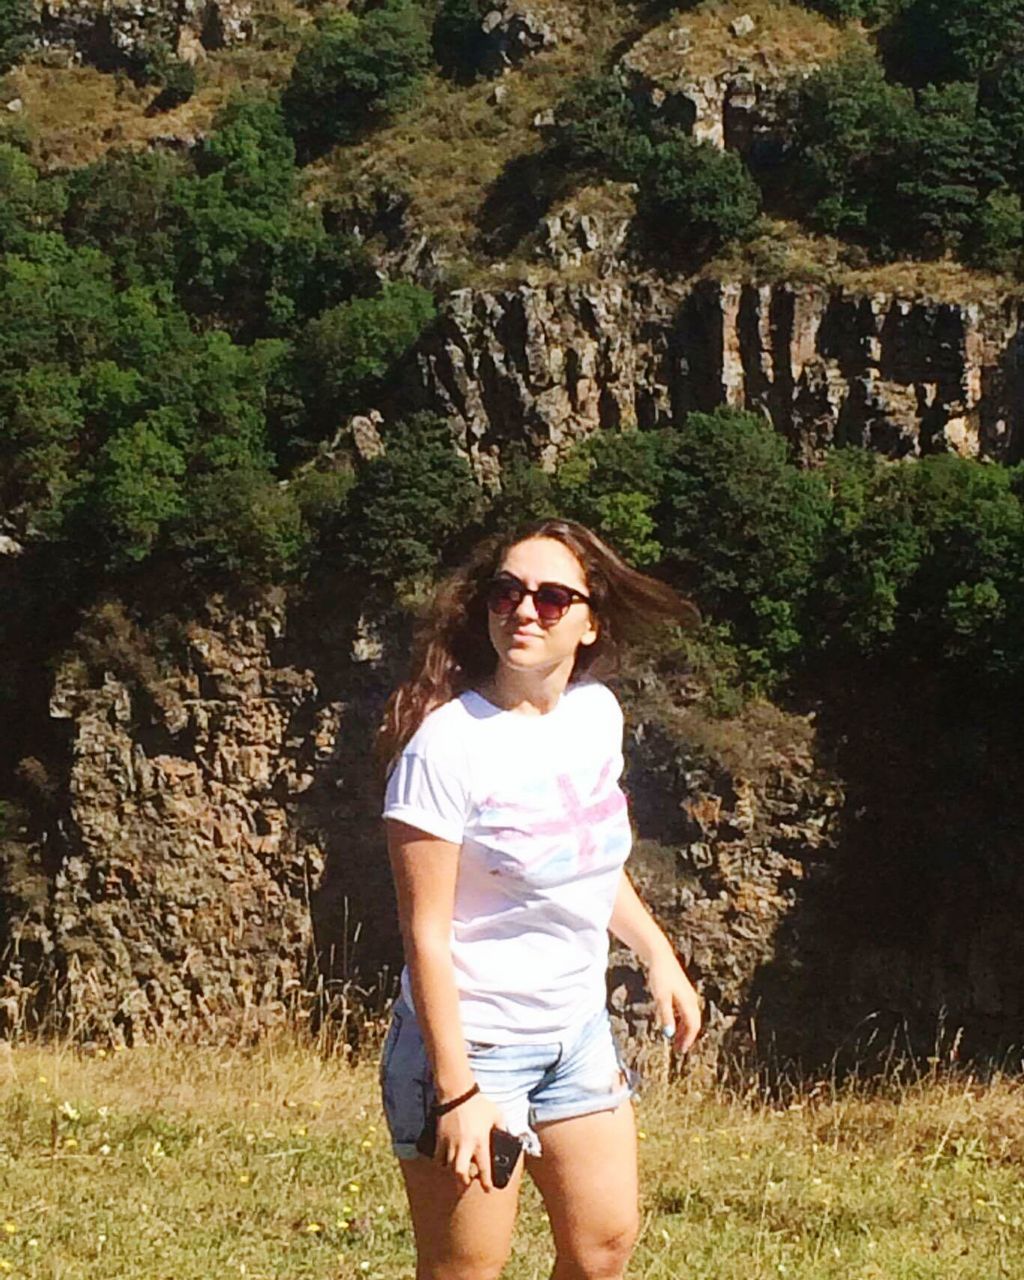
<point x="452" y="650"/>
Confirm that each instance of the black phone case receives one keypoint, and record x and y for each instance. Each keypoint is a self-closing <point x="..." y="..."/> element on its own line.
<point x="505" y="1150"/>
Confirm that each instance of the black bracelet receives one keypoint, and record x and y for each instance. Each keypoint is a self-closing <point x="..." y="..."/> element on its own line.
<point x="442" y="1108"/>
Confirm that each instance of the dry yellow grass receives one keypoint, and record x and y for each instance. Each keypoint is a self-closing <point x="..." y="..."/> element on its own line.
<point x="75" y="114"/>
<point x="448" y="148"/>
<point x="172" y="1163"/>
<point x="785" y="36"/>
<point x="785" y="251"/>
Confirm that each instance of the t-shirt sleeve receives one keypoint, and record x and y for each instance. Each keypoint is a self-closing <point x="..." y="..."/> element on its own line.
<point x="429" y="790"/>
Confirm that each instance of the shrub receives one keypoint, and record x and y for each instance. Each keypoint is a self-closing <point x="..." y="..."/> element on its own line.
<point x="350" y="348"/>
<point x="747" y="529"/>
<point x="695" y="198"/>
<point x="458" y="39"/>
<point x="599" y="128"/>
<point x="244" y="522"/>
<point x="412" y="506"/>
<point x="17" y="30"/>
<point x="849" y="142"/>
<point x="352" y="72"/>
<point x="177" y="81"/>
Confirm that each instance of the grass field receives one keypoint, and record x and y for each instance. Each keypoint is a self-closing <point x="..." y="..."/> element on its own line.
<point x="169" y="1163"/>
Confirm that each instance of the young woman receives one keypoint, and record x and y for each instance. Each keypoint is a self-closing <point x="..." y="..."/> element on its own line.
<point x="508" y="834"/>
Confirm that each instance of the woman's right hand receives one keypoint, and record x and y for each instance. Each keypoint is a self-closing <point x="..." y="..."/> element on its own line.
<point x="464" y="1139"/>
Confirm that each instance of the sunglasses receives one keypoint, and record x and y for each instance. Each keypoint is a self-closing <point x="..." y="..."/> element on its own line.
<point x="551" y="600"/>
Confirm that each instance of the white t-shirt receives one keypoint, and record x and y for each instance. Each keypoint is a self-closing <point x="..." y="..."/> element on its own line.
<point x="535" y="803"/>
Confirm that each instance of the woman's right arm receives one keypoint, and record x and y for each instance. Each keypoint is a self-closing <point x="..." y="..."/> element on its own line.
<point x="425" y="870"/>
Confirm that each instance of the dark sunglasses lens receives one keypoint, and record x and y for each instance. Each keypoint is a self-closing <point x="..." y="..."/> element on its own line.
<point x="552" y="602"/>
<point x="502" y="597"/>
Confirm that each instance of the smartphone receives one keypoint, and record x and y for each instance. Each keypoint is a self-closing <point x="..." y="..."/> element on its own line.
<point x="505" y="1151"/>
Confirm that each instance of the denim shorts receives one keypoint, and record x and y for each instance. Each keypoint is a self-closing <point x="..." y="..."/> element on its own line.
<point x="529" y="1083"/>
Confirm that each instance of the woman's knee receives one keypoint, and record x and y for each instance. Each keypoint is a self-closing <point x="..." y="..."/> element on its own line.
<point x="603" y="1256"/>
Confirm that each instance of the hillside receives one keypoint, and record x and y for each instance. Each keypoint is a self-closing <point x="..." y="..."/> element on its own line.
<point x="298" y="300"/>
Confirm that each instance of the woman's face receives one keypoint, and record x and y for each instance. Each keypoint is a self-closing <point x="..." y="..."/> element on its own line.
<point x="521" y="641"/>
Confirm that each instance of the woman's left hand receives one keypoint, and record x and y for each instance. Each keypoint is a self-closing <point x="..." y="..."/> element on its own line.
<point x="675" y="1000"/>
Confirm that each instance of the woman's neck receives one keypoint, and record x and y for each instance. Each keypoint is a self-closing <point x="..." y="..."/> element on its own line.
<point x="532" y="693"/>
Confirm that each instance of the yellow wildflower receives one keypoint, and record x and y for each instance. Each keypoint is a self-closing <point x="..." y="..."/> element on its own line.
<point x="10" y="1227"/>
<point x="313" y="1227"/>
<point x="353" y="1187"/>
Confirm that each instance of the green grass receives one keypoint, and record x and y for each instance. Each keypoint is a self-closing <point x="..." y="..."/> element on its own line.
<point x="171" y="1163"/>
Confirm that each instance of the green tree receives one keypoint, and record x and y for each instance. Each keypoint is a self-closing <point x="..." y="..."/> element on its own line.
<point x="694" y="198"/>
<point x="928" y="564"/>
<point x="17" y="30"/>
<point x="129" y="205"/>
<point x="599" y="128"/>
<point x="995" y="241"/>
<point x="850" y="143"/>
<point x="135" y="487"/>
<point x="941" y="40"/>
<point x="746" y="528"/>
<point x="353" y="72"/>
<point x="613" y="482"/>
<point x="949" y="166"/>
<point x="458" y="39"/>
<point x="1001" y="99"/>
<point x="411" y="507"/>
<point x="28" y="203"/>
<point x="348" y="349"/>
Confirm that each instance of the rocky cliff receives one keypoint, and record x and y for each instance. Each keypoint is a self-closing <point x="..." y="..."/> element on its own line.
<point x="552" y="363"/>
<point x="117" y="33"/>
<point x="216" y="859"/>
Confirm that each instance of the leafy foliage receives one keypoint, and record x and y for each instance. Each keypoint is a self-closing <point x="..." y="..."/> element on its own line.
<point x="695" y="198"/>
<point x="458" y="39"/>
<point x="349" y="348"/>
<point x="228" y="230"/>
<point x="17" y="26"/>
<point x="600" y="128"/>
<point x="691" y="196"/>
<point x="352" y="72"/>
<point x="944" y="40"/>
<point x="851" y="128"/>
<point x="415" y="504"/>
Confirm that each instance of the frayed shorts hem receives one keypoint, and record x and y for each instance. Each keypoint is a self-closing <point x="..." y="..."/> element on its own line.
<point x="532" y="1085"/>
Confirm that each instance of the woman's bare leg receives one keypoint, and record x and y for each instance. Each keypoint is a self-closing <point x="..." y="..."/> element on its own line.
<point x="461" y="1233"/>
<point x="588" y="1179"/>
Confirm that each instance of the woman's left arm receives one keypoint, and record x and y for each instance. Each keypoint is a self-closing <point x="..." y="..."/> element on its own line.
<point x="677" y="1003"/>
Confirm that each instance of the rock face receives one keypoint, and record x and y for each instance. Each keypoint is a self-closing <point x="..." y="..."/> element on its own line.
<point x="212" y="859"/>
<point x="180" y="889"/>
<point x="828" y="367"/>
<point x="119" y="33"/>
<point x="514" y="31"/>
<point x="219" y="861"/>
<point x="732" y="839"/>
